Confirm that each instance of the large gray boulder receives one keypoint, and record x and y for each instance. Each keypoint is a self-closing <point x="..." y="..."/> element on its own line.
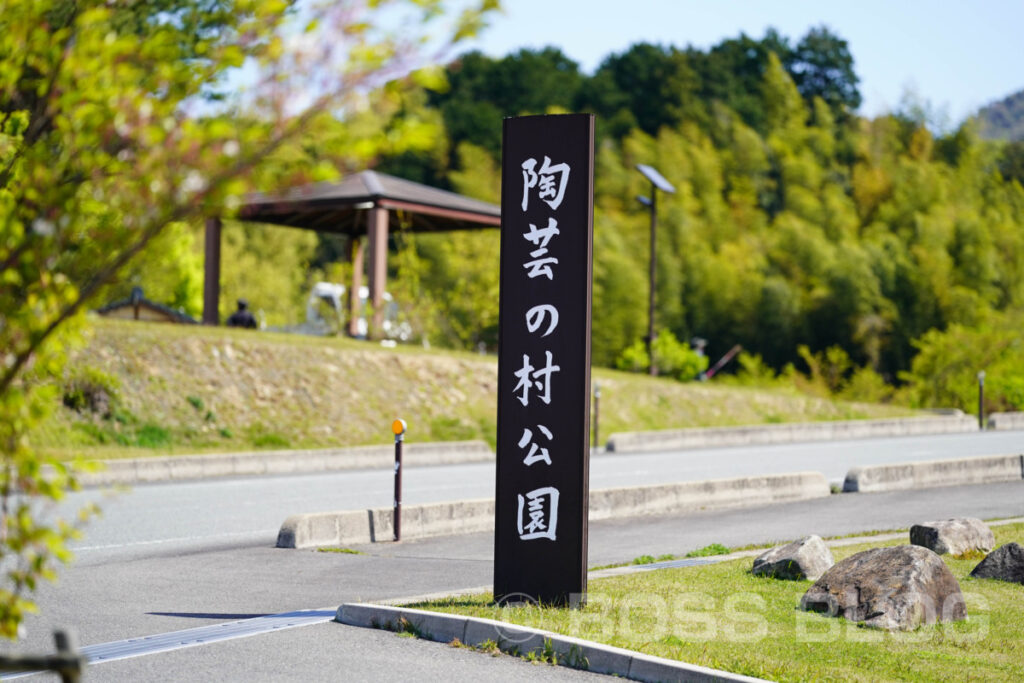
<point x="896" y="589"/>
<point x="953" y="536"/>
<point x="807" y="558"/>
<point x="1006" y="563"/>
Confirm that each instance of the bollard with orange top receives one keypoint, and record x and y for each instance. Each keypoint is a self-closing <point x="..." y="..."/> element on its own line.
<point x="398" y="429"/>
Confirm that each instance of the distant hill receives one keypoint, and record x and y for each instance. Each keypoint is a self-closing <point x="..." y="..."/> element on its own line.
<point x="1003" y="120"/>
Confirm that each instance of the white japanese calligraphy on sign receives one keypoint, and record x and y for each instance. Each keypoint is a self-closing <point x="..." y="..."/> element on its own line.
<point x="550" y="181"/>
<point x="537" y="453"/>
<point x="536" y="315"/>
<point x="537" y="520"/>
<point x="547" y="182"/>
<point x="535" y="378"/>
<point x="540" y="238"/>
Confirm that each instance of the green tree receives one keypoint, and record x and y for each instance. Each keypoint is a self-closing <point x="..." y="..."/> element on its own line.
<point x="464" y="285"/>
<point x="672" y="358"/>
<point x="650" y="86"/>
<point x="732" y="72"/>
<point x="1011" y="161"/>
<point x="822" y="66"/>
<point x="795" y="222"/>
<point x="104" y="142"/>
<point x="944" y="372"/>
<point x="169" y="270"/>
<point x="458" y="274"/>
<point x="267" y="265"/>
<point x="483" y="90"/>
<point x="447" y="284"/>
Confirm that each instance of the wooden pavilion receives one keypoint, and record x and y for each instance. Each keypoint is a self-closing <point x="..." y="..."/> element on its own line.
<point x="365" y="204"/>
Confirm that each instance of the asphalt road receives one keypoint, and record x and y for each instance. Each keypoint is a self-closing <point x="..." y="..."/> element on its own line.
<point x="163" y="519"/>
<point x="169" y="557"/>
<point x="109" y="600"/>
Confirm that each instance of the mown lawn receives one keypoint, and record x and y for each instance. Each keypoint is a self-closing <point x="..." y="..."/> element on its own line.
<point x="722" y="616"/>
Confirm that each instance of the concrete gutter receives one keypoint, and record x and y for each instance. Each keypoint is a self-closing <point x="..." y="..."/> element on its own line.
<point x="522" y="640"/>
<point x="181" y="467"/>
<point x="351" y="527"/>
<point x="933" y="473"/>
<point x="679" y="439"/>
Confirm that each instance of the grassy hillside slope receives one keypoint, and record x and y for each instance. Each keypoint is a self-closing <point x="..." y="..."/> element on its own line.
<point x="187" y="389"/>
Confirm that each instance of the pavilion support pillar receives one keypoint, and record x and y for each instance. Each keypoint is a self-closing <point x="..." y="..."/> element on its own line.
<point x="377" y="236"/>
<point x="211" y="272"/>
<point x="355" y="310"/>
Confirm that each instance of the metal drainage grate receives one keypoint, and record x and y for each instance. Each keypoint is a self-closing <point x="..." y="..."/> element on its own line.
<point x="203" y="635"/>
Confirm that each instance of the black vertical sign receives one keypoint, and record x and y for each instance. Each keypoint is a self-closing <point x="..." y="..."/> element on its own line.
<point x="547" y="199"/>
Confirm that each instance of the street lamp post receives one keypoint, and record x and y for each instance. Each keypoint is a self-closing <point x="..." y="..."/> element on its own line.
<point x="981" y="400"/>
<point x="658" y="182"/>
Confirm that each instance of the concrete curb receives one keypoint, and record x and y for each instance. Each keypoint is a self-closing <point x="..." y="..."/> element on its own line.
<point x="128" y="471"/>
<point x="679" y="439"/>
<point x="522" y="640"/>
<point x="1006" y="421"/>
<point x="349" y="527"/>
<point x="470" y="516"/>
<point x="600" y="658"/>
<point x="934" y="473"/>
<point x="688" y="496"/>
<point x="180" y="467"/>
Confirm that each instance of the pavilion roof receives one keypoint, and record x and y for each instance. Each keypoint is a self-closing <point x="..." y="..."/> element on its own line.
<point x="340" y="207"/>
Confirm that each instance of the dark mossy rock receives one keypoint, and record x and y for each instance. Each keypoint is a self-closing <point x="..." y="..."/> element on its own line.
<point x="896" y="589"/>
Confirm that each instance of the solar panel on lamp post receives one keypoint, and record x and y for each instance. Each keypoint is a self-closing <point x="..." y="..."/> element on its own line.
<point x="658" y="182"/>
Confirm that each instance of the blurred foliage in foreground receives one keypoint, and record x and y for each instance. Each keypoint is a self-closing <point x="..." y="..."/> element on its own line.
<point x="115" y="141"/>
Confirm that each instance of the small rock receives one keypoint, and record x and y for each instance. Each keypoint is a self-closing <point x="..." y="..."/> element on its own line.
<point x="953" y="536"/>
<point x="1006" y="564"/>
<point x="807" y="558"/>
<point x="896" y="588"/>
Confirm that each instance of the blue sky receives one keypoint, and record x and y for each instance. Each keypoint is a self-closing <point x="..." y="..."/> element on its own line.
<point x="956" y="55"/>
